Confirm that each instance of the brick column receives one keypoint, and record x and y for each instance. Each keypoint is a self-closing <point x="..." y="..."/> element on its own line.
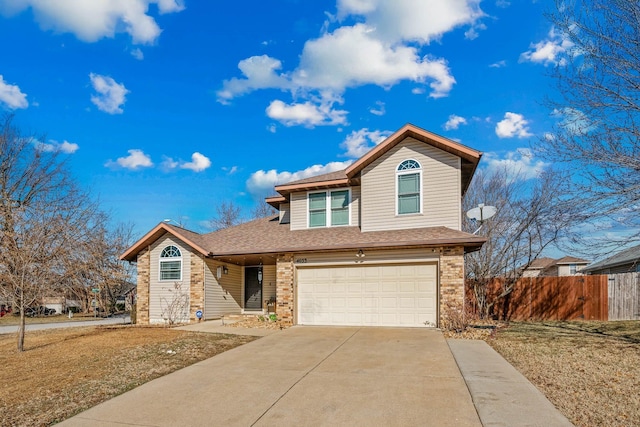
<point x="143" y="279"/>
<point x="284" y="288"/>
<point x="451" y="281"/>
<point x="196" y="287"/>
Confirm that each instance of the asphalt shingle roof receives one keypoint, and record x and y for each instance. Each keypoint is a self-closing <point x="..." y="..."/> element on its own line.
<point x="267" y="235"/>
<point x="623" y="257"/>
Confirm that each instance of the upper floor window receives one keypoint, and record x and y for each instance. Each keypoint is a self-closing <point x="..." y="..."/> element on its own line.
<point x="170" y="263"/>
<point x="409" y="187"/>
<point x="573" y="269"/>
<point x="329" y="208"/>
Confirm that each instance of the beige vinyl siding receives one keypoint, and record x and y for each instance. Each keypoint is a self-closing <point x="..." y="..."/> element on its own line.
<point x="268" y="283"/>
<point x="299" y="207"/>
<point x="224" y="295"/>
<point x="285" y="213"/>
<point x="441" y="189"/>
<point x="165" y="294"/>
<point x="299" y="211"/>
<point x="371" y="257"/>
<point x="355" y="206"/>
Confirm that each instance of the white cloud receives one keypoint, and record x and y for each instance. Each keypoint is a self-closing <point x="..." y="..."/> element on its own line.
<point x="513" y="125"/>
<point x="55" y="146"/>
<point x="454" y="122"/>
<point x="499" y="64"/>
<point x="472" y="33"/>
<point x="137" y="53"/>
<point x="12" y="96"/>
<point x="262" y="182"/>
<point x="93" y="20"/>
<point x="379" y="109"/>
<point x="519" y="164"/>
<point x="260" y="72"/>
<point x="550" y="51"/>
<point x="421" y="21"/>
<point x="307" y="113"/>
<point x="383" y="48"/>
<point x="230" y="170"/>
<point x="358" y="142"/>
<point x="110" y="95"/>
<point x="272" y="128"/>
<point x="198" y="163"/>
<point x="136" y="159"/>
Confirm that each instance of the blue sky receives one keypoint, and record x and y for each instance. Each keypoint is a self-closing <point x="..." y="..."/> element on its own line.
<point x="166" y="108"/>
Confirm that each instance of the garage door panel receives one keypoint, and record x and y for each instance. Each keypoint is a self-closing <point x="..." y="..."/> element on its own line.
<point x="373" y="295"/>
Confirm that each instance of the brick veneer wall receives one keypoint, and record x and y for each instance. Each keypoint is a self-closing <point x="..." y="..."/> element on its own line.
<point x="451" y="281"/>
<point x="196" y="288"/>
<point x="142" y="304"/>
<point x="284" y="288"/>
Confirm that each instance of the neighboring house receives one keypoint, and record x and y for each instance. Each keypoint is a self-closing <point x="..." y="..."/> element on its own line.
<point x="379" y="243"/>
<point x="565" y="266"/>
<point x="627" y="261"/>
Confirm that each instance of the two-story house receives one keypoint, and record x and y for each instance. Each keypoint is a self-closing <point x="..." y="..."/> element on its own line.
<point x="379" y="244"/>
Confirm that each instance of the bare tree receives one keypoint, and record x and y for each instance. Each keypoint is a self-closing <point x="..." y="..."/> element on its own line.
<point x="532" y="215"/>
<point x="228" y="214"/>
<point x="598" y="100"/>
<point x="43" y="217"/>
<point x="262" y="210"/>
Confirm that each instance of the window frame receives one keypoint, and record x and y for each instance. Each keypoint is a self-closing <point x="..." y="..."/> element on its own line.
<point x="169" y="259"/>
<point x="413" y="171"/>
<point x="328" y="208"/>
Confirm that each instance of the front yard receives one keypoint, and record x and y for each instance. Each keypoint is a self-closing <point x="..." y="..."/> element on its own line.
<point x="64" y="371"/>
<point x="589" y="370"/>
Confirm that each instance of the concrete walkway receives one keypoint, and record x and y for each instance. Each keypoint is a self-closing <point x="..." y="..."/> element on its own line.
<point x="319" y="376"/>
<point x="501" y="394"/>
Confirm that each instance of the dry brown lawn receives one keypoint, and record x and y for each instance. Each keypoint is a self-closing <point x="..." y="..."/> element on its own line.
<point x="589" y="370"/>
<point x="65" y="371"/>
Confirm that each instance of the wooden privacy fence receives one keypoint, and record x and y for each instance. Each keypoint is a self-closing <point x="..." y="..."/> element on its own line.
<point x="624" y="296"/>
<point x="548" y="298"/>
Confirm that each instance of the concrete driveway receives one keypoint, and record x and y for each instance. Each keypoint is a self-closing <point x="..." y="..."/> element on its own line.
<point x="306" y="376"/>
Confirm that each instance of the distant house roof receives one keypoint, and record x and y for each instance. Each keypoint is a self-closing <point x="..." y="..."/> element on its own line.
<point x="571" y="260"/>
<point x="268" y="236"/>
<point x="541" y="263"/>
<point x="627" y="256"/>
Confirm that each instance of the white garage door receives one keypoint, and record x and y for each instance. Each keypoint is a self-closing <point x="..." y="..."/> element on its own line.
<point x="373" y="295"/>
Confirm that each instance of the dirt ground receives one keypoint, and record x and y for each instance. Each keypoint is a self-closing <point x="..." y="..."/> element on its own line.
<point x="589" y="370"/>
<point x="65" y="371"/>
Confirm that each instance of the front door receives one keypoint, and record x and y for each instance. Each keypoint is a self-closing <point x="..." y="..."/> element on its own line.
<point x="252" y="288"/>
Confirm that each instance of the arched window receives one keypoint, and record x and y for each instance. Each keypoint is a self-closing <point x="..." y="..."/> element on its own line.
<point x="171" y="263"/>
<point x="409" y="187"/>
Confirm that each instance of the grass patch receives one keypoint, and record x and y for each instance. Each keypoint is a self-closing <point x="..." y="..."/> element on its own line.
<point x="65" y="371"/>
<point x="588" y="370"/>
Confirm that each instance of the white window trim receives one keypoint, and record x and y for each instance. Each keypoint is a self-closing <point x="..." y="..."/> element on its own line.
<point x="327" y="207"/>
<point x="421" y="194"/>
<point x="165" y="259"/>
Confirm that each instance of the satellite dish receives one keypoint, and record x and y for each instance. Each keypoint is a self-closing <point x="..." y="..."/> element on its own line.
<point x="482" y="213"/>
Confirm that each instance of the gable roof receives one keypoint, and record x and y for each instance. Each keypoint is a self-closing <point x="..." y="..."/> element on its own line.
<point x="469" y="156"/>
<point x="627" y="256"/>
<point x="469" y="162"/>
<point x="268" y="236"/>
<point x="191" y="238"/>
